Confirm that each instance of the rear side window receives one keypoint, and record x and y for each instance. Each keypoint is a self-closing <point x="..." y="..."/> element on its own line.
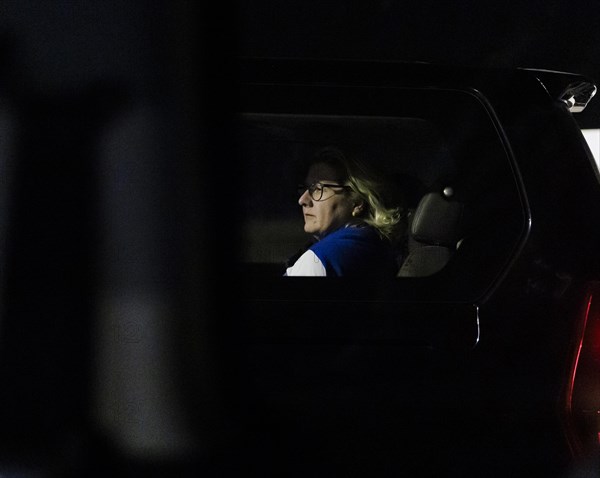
<point x="440" y="151"/>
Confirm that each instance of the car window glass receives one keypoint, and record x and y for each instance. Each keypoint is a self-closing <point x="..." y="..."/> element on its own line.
<point x="435" y="141"/>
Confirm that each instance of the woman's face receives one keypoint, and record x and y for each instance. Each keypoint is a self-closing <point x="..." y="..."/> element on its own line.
<point x="335" y="207"/>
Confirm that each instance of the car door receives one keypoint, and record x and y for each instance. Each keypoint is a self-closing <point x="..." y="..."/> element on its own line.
<point x="347" y="372"/>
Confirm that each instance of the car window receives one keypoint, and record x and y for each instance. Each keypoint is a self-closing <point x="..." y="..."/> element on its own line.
<point x="424" y="140"/>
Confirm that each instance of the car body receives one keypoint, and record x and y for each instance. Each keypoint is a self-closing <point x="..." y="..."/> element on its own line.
<point x="483" y="368"/>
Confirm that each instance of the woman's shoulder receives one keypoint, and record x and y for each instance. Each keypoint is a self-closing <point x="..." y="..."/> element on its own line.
<point x="350" y="237"/>
<point x="308" y="264"/>
<point x="354" y="251"/>
<point x="352" y="232"/>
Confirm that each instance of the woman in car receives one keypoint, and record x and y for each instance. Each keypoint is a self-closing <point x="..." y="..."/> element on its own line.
<point x="345" y="212"/>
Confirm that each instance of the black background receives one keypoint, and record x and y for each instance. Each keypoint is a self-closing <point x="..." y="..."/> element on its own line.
<point x="69" y="66"/>
<point x="70" y="43"/>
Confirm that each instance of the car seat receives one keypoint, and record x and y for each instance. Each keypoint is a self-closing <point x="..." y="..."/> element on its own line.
<point x="434" y="233"/>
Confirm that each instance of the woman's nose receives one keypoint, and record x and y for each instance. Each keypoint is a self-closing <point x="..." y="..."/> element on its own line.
<point x="304" y="199"/>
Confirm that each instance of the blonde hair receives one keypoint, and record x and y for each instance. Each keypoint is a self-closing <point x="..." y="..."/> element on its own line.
<point x="369" y="186"/>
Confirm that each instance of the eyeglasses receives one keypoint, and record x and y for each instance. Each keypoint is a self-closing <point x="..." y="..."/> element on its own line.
<point x="316" y="189"/>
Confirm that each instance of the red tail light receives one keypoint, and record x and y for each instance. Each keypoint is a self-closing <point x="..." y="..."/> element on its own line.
<point x="583" y="388"/>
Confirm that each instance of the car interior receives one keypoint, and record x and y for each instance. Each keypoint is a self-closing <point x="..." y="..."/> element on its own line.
<point x="445" y="160"/>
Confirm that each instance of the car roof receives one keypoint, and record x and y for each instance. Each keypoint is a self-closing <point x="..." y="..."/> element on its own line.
<point x="575" y="90"/>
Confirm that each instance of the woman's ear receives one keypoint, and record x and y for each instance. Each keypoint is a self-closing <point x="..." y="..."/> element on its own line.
<point x="358" y="209"/>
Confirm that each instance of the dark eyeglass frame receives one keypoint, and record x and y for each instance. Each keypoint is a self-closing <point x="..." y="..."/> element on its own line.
<point x="315" y="192"/>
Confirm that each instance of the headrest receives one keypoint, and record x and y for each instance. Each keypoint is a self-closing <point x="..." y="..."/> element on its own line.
<point x="437" y="219"/>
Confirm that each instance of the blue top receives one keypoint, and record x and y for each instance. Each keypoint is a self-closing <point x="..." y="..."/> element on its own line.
<point x="355" y="251"/>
